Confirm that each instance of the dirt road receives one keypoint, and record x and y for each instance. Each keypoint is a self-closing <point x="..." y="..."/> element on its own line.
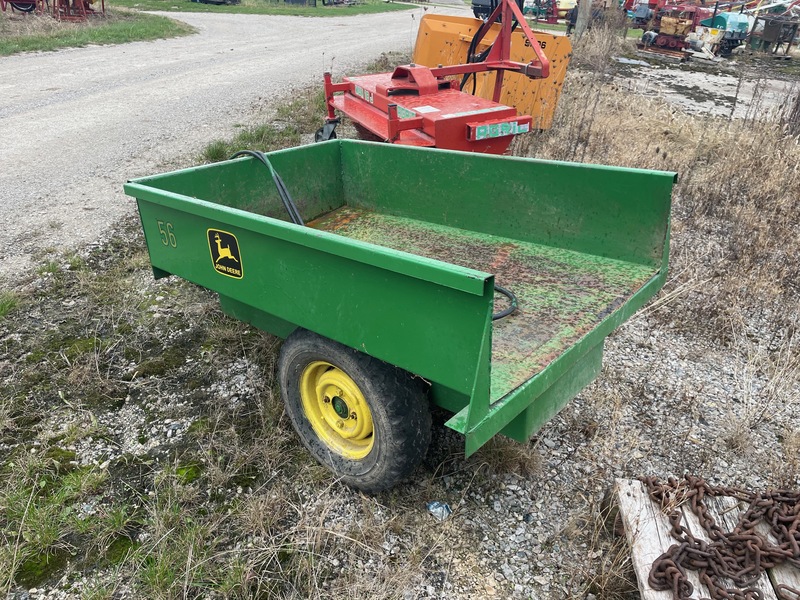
<point x="75" y="124"/>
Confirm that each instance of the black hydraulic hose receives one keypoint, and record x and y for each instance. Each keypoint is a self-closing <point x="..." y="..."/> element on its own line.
<point x="506" y="311"/>
<point x="288" y="203"/>
<point x="473" y="46"/>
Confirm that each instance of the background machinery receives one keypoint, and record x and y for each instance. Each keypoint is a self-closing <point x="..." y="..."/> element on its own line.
<point x="472" y="86"/>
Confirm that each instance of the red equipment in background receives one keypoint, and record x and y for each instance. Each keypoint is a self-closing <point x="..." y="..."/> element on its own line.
<point x="76" y="10"/>
<point x="63" y="10"/>
<point x="673" y="23"/>
<point x="420" y="106"/>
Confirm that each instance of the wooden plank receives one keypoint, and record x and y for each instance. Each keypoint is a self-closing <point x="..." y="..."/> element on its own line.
<point x="647" y="530"/>
<point x="788" y="575"/>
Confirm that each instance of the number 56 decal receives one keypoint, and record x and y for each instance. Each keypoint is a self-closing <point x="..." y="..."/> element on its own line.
<point x="167" y="234"/>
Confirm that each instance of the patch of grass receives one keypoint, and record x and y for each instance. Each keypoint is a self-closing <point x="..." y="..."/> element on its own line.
<point x="36" y="33"/>
<point x="265" y="137"/>
<point x="266" y="7"/>
<point x="49" y="267"/>
<point x="9" y="302"/>
<point x="302" y="115"/>
<point x="41" y="500"/>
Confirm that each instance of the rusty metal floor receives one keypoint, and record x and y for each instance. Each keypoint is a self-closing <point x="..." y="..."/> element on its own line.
<point x="562" y="294"/>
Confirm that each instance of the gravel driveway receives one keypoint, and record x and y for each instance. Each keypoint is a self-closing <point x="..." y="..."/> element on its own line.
<point x="75" y="124"/>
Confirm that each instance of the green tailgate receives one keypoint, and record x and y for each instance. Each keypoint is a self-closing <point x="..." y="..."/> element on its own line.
<point x="401" y="254"/>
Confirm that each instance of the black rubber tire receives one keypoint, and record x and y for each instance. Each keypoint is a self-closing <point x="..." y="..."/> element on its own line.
<point x="397" y="400"/>
<point x="319" y="133"/>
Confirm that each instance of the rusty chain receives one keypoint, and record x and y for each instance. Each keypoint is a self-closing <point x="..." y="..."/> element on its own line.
<point x="740" y="555"/>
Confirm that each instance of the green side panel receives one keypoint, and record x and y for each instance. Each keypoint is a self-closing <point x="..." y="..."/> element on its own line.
<point x="545" y="406"/>
<point x="606" y="211"/>
<point x="421" y="315"/>
<point x="447" y="398"/>
<point x="257" y="318"/>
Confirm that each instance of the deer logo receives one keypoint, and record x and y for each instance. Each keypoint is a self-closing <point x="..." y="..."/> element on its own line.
<point x="225" y="255"/>
<point x="223" y="252"/>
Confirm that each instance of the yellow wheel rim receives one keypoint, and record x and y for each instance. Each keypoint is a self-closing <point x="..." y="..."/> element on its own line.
<point x="337" y="410"/>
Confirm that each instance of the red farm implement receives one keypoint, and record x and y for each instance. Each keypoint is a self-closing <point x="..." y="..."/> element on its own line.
<point x="421" y="106"/>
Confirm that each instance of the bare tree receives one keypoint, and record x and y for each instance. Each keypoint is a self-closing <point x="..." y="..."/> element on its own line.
<point x="584" y="15"/>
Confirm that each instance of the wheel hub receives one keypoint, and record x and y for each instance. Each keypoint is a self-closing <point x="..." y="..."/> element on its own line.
<point x="337" y="410"/>
<point x="340" y="407"/>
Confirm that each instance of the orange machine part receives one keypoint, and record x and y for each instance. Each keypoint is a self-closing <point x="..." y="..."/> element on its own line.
<point x="444" y="40"/>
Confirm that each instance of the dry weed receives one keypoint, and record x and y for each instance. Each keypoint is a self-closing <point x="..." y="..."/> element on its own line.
<point x="787" y="467"/>
<point x="736" y="205"/>
<point x="768" y="390"/>
<point x="606" y="572"/>
<point x="27" y="25"/>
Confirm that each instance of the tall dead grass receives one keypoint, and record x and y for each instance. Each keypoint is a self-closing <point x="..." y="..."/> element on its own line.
<point x="24" y="25"/>
<point x="735" y="257"/>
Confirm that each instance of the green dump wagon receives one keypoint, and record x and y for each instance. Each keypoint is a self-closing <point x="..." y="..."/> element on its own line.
<point x="386" y="296"/>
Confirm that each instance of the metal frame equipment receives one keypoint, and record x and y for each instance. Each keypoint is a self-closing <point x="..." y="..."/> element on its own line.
<point x="421" y="106"/>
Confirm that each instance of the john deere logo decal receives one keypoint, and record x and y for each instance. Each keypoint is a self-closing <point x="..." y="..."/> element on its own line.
<point x="225" y="254"/>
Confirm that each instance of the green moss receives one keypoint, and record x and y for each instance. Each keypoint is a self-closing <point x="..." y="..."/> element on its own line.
<point x="62" y="459"/>
<point x="35" y="356"/>
<point x="194" y="384"/>
<point x="189" y="473"/>
<point x="119" y="550"/>
<point x="172" y="358"/>
<point x="74" y="347"/>
<point x="199" y="427"/>
<point x="59" y="344"/>
<point x="38" y="569"/>
<point x="124" y="329"/>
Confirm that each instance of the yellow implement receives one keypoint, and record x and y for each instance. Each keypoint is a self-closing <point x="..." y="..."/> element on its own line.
<point x="445" y="40"/>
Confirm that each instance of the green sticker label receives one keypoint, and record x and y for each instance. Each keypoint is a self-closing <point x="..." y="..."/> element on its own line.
<point x="404" y="113"/>
<point x="495" y="130"/>
<point x="364" y="94"/>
